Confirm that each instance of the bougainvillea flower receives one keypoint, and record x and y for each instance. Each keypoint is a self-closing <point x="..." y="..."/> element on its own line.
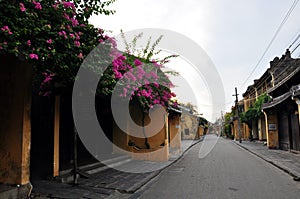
<point x="137" y="62"/>
<point x="22" y="7"/>
<point x="34" y="56"/>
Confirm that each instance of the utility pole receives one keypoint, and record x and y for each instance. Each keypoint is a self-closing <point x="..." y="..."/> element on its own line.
<point x="238" y="114"/>
<point x="222" y="124"/>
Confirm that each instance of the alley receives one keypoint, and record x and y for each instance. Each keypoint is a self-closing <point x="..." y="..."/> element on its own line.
<point x="227" y="171"/>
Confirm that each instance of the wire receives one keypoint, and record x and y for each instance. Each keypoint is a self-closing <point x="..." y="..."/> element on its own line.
<point x="298" y="36"/>
<point x="296" y="46"/>
<point x="278" y="78"/>
<point x="262" y="81"/>
<point x="273" y="38"/>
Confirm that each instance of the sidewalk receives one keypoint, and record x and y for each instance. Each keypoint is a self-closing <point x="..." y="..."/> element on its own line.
<point x="284" y="160"/>
<point x="110" y="183"/>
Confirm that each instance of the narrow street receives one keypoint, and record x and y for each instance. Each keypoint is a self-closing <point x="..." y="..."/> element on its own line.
<point x="228" y="171"/>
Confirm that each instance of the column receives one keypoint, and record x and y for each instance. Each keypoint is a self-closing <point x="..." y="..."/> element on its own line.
<point x="271" y="128"/>
<point x="298" y="103"/>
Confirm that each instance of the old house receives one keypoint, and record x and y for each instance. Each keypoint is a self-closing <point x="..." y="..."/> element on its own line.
<point x="279" y="123"/>
<point x="237" y="128"/>
<point x="256" y="127"/>
<point x="282" y="113"/>
<point x="189" y="124"/>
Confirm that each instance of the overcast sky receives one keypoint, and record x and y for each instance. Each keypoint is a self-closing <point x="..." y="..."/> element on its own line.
<point x="234" y="33"/>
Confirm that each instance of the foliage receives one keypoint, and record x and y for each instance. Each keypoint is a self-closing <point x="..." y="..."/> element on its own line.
<point x="53" y="35"/>
<point x="227" y="125"/>
<point x="203" y="122"/>
<point x="85" y="9"/>
<point x="191" y="108"/>
<point x="255" y="111"/>
<point x="139" y="76"/>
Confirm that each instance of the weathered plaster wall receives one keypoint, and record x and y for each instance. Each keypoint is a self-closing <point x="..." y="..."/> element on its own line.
<point x="15" y="103"/>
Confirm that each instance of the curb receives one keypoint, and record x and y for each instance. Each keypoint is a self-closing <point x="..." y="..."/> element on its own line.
<point x="294" y="175"/>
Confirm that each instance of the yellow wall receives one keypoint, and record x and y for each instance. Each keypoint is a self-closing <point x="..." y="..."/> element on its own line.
<point x="158" y="143"/>
<point x="272" y="135"/>
<point x="235" y="130"/>
<point x="190" y="122"/>
<point x="15" y="130"/>
<point x="298" y="103"/>
<point x="200" y="131"/>
<point x="175" y="134"/>
<point x="246" y="131"/>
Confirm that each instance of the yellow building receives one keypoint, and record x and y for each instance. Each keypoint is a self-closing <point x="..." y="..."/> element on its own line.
<point x="149" y="144"/>
<point x="279" y="123"/>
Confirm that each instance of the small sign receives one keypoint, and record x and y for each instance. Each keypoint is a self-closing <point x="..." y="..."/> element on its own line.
<point x="272" y="127"/>
<point x="177" y="126"/>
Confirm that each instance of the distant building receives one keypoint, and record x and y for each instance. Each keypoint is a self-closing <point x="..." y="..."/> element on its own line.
<point x="189" y="124"/>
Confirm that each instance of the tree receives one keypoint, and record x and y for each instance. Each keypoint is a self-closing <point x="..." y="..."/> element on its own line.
<point x="53" y="35"/>
<point x="141" y="76"/>
<point x="135" y="74"/>
<point x="255" y="111"/>
<point x="227" y="125"/>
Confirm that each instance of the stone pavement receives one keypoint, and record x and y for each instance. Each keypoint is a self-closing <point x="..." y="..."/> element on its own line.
<point x="110" y="183"/>
<point x="284" y="160"/>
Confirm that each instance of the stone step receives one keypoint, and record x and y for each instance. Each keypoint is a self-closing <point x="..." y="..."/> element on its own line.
<point x="86" y="171"/>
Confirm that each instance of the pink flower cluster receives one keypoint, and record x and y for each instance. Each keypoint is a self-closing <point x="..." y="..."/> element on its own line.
<point x="49" y="41"/>
<point x="119" y="66"/>
<point x="46" y="83"/>
<point x="80" y="56"/>
<point x="63" y="33"/>
<point x="154" y="97"/>
<point x="33" y="56"/>
<point x="71" y="19"/>
<point x="22" y="7"/>
<point x="75" y="36"/>
<point x="69" y="5"/>
<point x="137" y="62"/>
<point x="37" y="5"/>
<point x="142" y="82"/>
<point x="6" y="29"/>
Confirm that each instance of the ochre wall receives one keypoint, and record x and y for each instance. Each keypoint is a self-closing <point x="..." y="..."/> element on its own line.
<point x="200" y="131"/>
<point x="235" y="130"/>
<point x="246" y="131"/>
<point x="15" y="103"/>
<point x="158" y="143"/>
<point x="175" y="133"/>
<point x="154" y="141"/>
<point x="189" y="122"/>
<point x="272" y="135"/>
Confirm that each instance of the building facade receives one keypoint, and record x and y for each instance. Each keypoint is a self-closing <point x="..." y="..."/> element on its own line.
<point x="279" y="123"/>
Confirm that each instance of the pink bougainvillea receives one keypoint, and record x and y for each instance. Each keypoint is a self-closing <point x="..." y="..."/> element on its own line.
<point x="38" y="5"/>
<point x="33" y="56"/>
<point x="22" y="7"/>
<point x="145" y="83"/>
<point x="49" y="41"/>
<point x="52" y="35"/>
<point x="44" y="87"/>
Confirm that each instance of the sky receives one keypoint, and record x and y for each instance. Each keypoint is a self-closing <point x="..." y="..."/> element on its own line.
<point x="233" y="33"/>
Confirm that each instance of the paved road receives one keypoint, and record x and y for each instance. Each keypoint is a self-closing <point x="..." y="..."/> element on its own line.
<point x="227" y="171"/>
